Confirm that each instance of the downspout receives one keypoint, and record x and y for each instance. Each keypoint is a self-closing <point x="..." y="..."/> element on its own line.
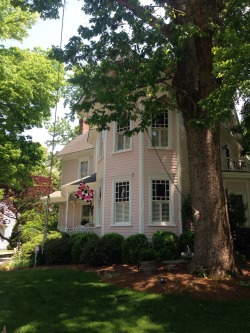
<point x="179" y="173"/>
<point x="104" y="180"/>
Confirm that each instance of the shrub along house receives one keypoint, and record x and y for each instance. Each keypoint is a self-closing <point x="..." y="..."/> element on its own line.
<point x="137" y="184"/>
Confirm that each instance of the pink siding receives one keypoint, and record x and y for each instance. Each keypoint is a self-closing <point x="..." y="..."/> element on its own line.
<point x="120" y="164"/>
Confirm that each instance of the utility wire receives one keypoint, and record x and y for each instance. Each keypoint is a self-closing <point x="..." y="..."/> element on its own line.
<point x="159" y="157"/>
<point x="53" y="139"/>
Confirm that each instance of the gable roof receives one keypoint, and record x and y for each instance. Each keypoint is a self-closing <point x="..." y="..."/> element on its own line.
<point x="78" y="144"/>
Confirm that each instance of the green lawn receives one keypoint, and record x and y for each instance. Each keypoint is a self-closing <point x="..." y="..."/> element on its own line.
<point x="66" y="301"/>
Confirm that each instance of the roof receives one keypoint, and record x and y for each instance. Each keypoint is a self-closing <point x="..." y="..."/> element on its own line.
<point x="61" y="196"/>
<point x="87" y="180"/>
<point x="78" y="144"/>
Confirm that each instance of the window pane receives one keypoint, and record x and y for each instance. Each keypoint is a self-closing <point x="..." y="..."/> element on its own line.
<point x="120" y="142"/>
<point x="122" y="191"/>
<point x="126" y="142"/>
<point x="155" y="137"/>
<point x="160" y="190"/>
<point x="165" y="212"/>
<point x="122" y="201"/>
<point x="156" y="212"/>
<point x="164" y="138"/>
<point x="159" y="130"/>
<point x="123" y="127"/>
<point x="122" y="212"/>
<point x="84" y="169"/>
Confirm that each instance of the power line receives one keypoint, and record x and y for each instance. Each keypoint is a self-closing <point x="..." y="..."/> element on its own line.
<point x="166" y="170"/>
<point x="53" y="138"/>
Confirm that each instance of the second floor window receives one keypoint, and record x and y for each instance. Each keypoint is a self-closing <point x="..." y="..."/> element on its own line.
<point x="100" y="145"/>
<point x="84" y="169"/>
<point x="160" y="130"/>
<point x="122" y="142"/>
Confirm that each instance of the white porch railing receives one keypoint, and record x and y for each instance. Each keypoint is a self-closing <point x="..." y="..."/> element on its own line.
<point x="87" y="229"/>
<point x="236" y="164"/>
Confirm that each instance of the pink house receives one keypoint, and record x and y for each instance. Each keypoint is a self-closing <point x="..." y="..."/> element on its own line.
<point x="139" y="182"/>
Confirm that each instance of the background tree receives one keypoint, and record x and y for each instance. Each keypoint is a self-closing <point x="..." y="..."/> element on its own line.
<point x="25" y="204"/>
<point x="191" y="51"/>
<point x="28" y="90"/>
<point x="61" y="133"/>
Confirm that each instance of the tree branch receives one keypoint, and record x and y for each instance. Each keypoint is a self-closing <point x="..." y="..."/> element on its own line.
<point x="152" y="21"/>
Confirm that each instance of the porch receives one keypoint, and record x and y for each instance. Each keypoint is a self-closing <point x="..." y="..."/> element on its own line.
<point x="236" y="164"/>
<point x="88" y="228"/>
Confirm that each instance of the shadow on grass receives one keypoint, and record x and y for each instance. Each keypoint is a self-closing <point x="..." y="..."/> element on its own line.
<point x="65" y="301"/>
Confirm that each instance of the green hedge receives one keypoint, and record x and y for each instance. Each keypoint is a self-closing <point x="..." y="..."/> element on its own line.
<point x="166" y="245"/>
<point x="132" y="248"/>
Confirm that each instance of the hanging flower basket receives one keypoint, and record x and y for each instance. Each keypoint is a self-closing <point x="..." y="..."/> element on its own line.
<point x="84" y="193"/>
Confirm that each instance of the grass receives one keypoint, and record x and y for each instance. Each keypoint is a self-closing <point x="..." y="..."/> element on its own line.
<point x="67" y="301"/>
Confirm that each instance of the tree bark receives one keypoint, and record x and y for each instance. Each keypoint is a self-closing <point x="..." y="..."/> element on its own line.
<point x="213" y="250"/>
<point x="194" y="82"/>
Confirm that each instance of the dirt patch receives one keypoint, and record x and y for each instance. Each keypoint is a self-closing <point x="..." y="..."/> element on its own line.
<point x="174" y="280"/>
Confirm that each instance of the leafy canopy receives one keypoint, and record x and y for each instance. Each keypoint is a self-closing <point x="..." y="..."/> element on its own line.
<point x="129" y="52"/>
<point x="28" y="90"/>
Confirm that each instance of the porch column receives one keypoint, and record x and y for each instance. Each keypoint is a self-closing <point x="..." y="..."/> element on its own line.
<point x="74" y="213"/>
<point x="67" y="211"/>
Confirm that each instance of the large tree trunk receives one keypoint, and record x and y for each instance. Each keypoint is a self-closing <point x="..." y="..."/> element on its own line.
<point x="194" y="82"/>
<point x="213" y="249"/>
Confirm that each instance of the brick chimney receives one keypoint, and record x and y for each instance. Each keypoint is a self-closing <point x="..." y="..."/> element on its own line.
<point x="83" y="126"/>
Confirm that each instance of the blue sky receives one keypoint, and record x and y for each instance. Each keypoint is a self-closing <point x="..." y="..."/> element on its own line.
<point x="48" y="33"/>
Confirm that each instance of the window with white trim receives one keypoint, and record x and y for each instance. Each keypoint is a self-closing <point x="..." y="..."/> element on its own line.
<point x="100" y="145"/>
<point x="122" y="142"/>
<point x="160" y="131"/>
<point x="84" y="169"/>
<point x="122" y="201"/>
<point x="160" y="201"/>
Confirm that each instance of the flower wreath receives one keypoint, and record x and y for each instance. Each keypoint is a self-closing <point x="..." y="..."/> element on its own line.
<point x="84" y="193"/>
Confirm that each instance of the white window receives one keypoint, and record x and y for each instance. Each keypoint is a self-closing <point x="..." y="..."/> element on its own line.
<point x="122" y="202"/>
<point x="160" y="201"/>
<point x="100" y="145"/>
<point x="160" y="130"/>
<point x="84" y="169"/>
<point x="85" y="214"/>
<point x="122" y="142"/>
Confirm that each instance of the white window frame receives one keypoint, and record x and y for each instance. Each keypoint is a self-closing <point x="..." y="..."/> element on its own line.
<point x="121" y="179"/>
<point x="86" y="159"/>
<point x="160" y="130"/>
<point x="170" y="201"/>
<point x="100" y="143"/>
<point x="119" y="133"/>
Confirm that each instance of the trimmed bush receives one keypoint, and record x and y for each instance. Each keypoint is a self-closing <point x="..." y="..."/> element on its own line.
<point x="132" y="247"/>
<point x="112" y="244"/>
<point x="28" y="249"/>
<point x="91" y="253"/>
<point x="57" y="251"/>
<point x="166" y="245"/>
<point x="186" y="238"/>
<point x="78" y="241"/>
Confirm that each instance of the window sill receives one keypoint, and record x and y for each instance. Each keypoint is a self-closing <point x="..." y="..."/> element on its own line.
<point x="121" y="225"/>
<point x="163" y="224"/>
<point x="161" y="148"/>
<point x="121" y="151"/>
